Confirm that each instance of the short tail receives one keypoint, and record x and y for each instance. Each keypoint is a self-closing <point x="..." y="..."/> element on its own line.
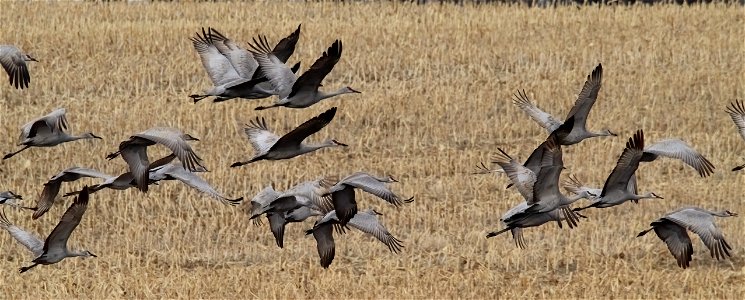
<point x="196" y="98"/>
<point x="496" y="233"/>
<point x="644" y="232"/>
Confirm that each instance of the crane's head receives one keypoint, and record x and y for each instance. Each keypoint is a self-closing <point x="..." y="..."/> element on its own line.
<point x="731" y="214"/>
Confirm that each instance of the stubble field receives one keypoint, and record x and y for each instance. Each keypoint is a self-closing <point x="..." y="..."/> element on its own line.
<point x="437" y="84"/>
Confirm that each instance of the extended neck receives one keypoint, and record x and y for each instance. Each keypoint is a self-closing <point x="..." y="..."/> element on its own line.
<point x="305" y="148"/>
<point x="572" y="199"/>
<point x="645" y="196"/>
<point x="78" y="253"/>
<point x="323" y="95"/>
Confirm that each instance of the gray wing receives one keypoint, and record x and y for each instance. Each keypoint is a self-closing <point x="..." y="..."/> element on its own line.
<point x="325" y="243"/>
<point x="587" y="97"/>
<point x="520" y="176"/>
<point x="544" y="119"/>
<point x="196" y="182"/>
<point x="173" y="139"/>
<point x="57" y="240"/>
<point x="678" y="149"/>
<point x="626" y="165"/>
<point x="136" y="157"/>
<point x="736" y="111"/>
<point x="218" y="66"/>
<point x="702" y="223"/>
<point x="48" y="196"/>
<point x="14" y="63"/>
<point x="575" y="186"/>
<point x="241" y="60"/>
<point x="280" y="75"/>
<point x="371" y="185"/>
<point x="52" y="123"/>
<point x="32" y="242"/>
<point x="677" y="241"/>
<point x="262" y="139"/>
<point x="277" y="223"/>
<point x="368" y="222"/>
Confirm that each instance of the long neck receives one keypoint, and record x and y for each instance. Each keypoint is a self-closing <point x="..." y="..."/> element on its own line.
<point x="69" y="138"/>
<point x="572" y="199"/>
<point x="645" y="196"/>
<point x="599" y="133"/>
<point x="77" y="253"/>
<point x="323" y="95"/>
<point x="305" y="148"/>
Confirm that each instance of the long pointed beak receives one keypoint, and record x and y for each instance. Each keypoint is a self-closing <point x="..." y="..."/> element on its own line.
<point x="92" y="254"/>
<point x="354" y="91"/>
<point x="612" y="133"/>
<point x="339" y="143"/>
<point x="33" y="59"/>
<point x="393" y="179"/>
<point x="96" y="137"/>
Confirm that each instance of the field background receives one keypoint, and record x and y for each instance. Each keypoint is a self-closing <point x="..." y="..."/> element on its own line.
<point x="437" y="84"/>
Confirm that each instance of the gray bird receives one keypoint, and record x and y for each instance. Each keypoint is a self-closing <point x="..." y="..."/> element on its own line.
<point x="671" y="229"/>
<point x="14" y="61"/>
<point x="54" y="248"/>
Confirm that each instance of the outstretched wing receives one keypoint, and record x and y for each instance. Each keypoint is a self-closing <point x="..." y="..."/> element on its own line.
<point x="262" y="139"/>
<point x="587" y="97"/>
<point x="57" y="240"/>
<point x="544" y="119"/>
<point x="368" y="222"/>
<point x="32" y="242"/>
<point x="311" y="79"/>
<point x="678" y="149"/>
<point x="295" y="137"/>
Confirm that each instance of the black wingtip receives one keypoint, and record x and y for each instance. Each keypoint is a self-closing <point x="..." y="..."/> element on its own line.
<point x="738" y="168"/>
<point x="237" y="164"/>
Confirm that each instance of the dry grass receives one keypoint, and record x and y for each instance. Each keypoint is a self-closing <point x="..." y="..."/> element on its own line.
<point x="437" y="83"/>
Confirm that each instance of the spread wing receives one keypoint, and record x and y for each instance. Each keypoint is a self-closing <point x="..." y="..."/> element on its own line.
<point x="520" y="176"/>
<point x="194" y="181"/>
<point x="241" y="60"/>
<point x="587" y="97"/>
<point x="373" y="186"/>
<point x="12" y="60"/>
<point x="280" y="75"/>
<point x="30" y="241"/>
<point x="173" y="139"/>
<point x="219" y="68"/>
<point x="544" y="119"/>
<point x="57" y="240"/>
<point x="262" y="139"/>
<point x="295" y="137"/>
<point x="626" y="165"/>
<point x="368" y="222"/>
<point x="311" y="79"/>
<point x="736" y="111"/>
<point x="678" y="149"/>
<point x="702" y="224"/>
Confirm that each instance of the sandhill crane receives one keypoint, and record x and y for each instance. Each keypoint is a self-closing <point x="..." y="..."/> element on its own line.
<point x="232" y="69"/>
<point x="671" y="229"/>
<point x="54" y="248"/>
<point x="269" y="146"/>
<point x="343" y="197"/>
<point x="10" y="198"/>
<point x="546" y="195"/>
<point x="533" y="163"/>
<point x="14" y="63"/>
<point x="616" y="188"/>
<point x="125" y="180"/>
<point x="575" y="186"/>
<point x="515" y="227"/>
<point x="134" y="151"/>
<point x="177" y="172"/>
<point x="52" y="187"/>
<point x="293" y="91"/>
<point x="288" y="206"/>
<point x="246" y="65"/>
<point x="736" y="111"/>
<point x="47" y="131"/>
<point x="365" y="221"/>
<point x="678" y="149"/>
<point x="580" y="111"/>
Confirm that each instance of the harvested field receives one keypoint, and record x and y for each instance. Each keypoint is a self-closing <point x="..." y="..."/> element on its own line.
<point x="437" y="83"/>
